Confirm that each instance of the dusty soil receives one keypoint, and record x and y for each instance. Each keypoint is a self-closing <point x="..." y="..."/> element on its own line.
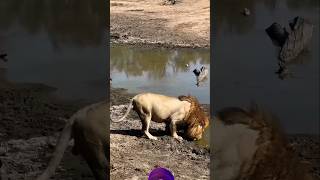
<point x="143" y="22"/>
<point x="30" y="122"/>
<point x="133" y="156"/>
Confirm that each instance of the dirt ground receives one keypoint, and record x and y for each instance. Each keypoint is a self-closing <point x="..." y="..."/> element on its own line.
<point x="30" y="122"/>
<point x="184" y="24"/>
<point x="26" y="150"/>
<point x="133" y="156"/>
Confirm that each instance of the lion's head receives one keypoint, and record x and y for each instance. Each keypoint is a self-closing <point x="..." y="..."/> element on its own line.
<point x="196" y="120"/>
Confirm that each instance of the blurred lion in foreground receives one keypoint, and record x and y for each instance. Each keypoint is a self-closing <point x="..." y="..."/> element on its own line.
<point x="248" y="145"/>
<point x="89" y="129"/>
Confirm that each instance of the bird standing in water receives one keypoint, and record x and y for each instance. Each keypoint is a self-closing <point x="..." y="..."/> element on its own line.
<point x="3" y="57"/>
<point x="201" y="74"/>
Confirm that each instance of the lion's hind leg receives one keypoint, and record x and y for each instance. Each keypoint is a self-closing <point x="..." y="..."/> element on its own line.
<point x="97" y="161"/>
<point x="147" y="126"/>
<point x="145" y="120"/>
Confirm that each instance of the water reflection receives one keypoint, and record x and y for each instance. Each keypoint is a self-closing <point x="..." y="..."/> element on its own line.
<point x="59" y="43"/>
<point x="80" y="22"/>
<point x="229" y="16"/>
<point x="231" y="21"/>
<point x="155" y="63"/>
<point x="159" y="70"/>
<point x="286" y="70"/>
<point x="300" y="5"/>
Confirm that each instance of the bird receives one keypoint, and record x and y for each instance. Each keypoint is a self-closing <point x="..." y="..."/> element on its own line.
<point x="201" y="74"/>
<point x="196" y="72"/>
<point x="3" y="57"/>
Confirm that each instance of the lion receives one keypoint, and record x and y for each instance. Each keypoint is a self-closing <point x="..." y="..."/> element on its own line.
<point x="249" y="145"/>
<point x="170" y="110"/>
<point x="89" y="128"/>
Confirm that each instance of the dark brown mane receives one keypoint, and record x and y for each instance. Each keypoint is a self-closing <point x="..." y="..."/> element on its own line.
<point x="196" y="115"/>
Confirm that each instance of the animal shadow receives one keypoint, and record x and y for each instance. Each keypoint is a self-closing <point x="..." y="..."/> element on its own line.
<point x="138" y="133"/>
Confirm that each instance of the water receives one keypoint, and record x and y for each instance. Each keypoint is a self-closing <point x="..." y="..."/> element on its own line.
<point x="246" y="61"/>
<point x="161" y="71"/>
<point x="60" y="43"/>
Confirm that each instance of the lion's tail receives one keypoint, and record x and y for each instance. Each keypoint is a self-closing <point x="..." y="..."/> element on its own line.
<point x="61" y="146"/>
<point x="126" y="114"/>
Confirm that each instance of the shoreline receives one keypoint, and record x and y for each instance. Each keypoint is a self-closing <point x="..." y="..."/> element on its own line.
<point x="154" y="45"/>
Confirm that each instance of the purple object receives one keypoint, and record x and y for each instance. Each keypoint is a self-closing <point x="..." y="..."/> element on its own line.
<point x="160" y="174"/>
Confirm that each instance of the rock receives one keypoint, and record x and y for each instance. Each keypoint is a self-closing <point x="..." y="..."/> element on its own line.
<point x="169" y="2"/>
<point x="125" y="36"/>
<point x="115" y="36"/>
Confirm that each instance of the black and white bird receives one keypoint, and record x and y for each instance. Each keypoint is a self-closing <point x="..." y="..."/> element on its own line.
<point x="3" y="57"/>
<point x="201" y="74"/>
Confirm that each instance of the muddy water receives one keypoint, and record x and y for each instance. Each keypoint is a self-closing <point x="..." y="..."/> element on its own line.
<point x="57" y="43"/>
<point x="246" y="61"/>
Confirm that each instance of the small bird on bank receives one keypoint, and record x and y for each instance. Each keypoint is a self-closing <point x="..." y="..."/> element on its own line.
<point x="3" y="57"/>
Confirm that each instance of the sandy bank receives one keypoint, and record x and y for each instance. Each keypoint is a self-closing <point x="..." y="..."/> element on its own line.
<point x="142" y="22"/>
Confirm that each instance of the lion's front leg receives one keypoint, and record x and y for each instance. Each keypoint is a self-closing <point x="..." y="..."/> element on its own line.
<point x="173" y="128"/>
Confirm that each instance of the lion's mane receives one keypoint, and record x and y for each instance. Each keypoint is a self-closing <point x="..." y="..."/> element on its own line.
<point x="196" y="120"/>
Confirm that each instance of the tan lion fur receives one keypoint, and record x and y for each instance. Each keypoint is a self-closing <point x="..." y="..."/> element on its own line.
<point x="170" y="110"/>
<point x="249" y="145"/>
<point x="89" y="128"/>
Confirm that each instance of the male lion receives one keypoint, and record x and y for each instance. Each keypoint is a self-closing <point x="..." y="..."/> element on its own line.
<point x="172" y="111"/>
<point x="247" y="145"/>
<point x="89" y="129"/>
